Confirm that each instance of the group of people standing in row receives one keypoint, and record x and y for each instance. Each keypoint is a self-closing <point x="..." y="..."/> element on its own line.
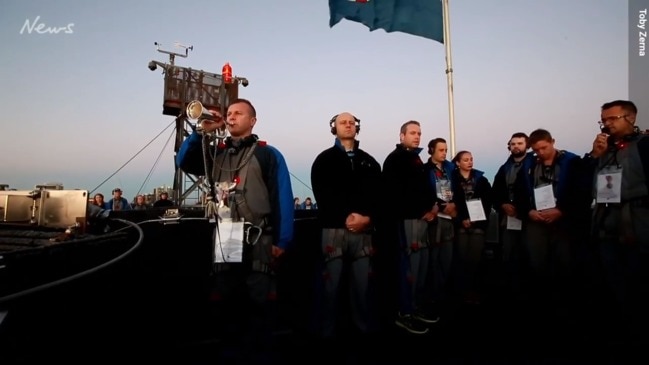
<point x="564" y="220"/>
<point x="118" y="202"/>
<point x="307" y="204"/>
<point x="426" y="246"/>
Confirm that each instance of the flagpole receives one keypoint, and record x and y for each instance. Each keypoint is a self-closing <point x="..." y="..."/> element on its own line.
<point x="449" y="76"/>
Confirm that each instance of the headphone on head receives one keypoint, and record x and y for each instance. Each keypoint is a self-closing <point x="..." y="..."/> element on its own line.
<point x="431" y="147"/>
<point x="332" y="124"/>
<point x="509" y="141"/>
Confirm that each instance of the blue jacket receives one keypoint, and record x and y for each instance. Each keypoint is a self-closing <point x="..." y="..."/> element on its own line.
<point x="481" y="190"/>
<point x="275" y="175"/>
<point x="125" y="204"/>
<point x="500" y="189"/>
<point x="571" y="194"/>
<point x="303" y="206"/>
<point x="448" y="168"/>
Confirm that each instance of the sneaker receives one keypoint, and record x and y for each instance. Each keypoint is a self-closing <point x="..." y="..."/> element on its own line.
<point x="407" y="322"/>
<point x="425" y="317"/>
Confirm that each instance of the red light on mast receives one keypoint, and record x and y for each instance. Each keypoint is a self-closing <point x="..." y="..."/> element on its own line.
<point x="226" y="72"/>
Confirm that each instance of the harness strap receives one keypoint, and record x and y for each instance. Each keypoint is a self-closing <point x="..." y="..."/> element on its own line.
<point x="262" y="267"/>
<point x="241" y="208"/>
<point x="210" y="211"/>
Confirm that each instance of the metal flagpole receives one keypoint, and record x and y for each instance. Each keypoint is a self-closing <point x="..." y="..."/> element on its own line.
<point x="449" y="75"/>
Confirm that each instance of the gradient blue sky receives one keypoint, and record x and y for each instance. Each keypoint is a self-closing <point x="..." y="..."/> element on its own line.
<point x="76" y="107"/>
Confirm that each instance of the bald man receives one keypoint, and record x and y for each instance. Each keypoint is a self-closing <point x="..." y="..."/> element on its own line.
<point x="344" y="180"/>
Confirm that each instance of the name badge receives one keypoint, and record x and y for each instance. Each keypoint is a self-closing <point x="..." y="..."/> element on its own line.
<point x="445" y="193"/>
<point x="444" y="190"/>
<point x="609" y="185"/>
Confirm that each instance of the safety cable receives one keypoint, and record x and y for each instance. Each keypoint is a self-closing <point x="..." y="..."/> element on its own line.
<point x="79" y="275"/>
<point x="131" y="159"/>
<point x="157" y="161"/>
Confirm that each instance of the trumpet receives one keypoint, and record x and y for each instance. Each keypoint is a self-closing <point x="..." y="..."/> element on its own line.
<point x="197" y="112"/>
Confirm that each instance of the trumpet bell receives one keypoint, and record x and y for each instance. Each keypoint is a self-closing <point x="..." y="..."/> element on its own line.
<point x="196" y="111"/>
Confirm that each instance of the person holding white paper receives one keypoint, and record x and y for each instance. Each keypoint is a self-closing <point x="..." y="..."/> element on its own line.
<point x="472" y="196"/>
<point x="511" y="234"/>
<point x="549" y="200"/>
<point x="253" y="182"/>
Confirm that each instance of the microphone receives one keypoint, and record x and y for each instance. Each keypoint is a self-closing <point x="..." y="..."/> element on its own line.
<point x="610" y="140"/>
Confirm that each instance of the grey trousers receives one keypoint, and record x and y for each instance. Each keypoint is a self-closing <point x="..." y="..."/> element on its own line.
<point x="342" y="249"/>
<point x="441" y="235"/>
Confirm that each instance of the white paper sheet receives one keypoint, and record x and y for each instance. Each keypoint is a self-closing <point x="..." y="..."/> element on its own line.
<point x="228" y="245"/>
<point x="514" y="224"/>
<point x="476" y="211"/>
<point x="544" y="197"/>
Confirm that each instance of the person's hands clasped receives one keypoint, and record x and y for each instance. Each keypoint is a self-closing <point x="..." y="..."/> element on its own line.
<point x="357" y="222"/>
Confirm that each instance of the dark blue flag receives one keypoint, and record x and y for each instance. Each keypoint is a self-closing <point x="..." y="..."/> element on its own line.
<point x="418" y="17"/>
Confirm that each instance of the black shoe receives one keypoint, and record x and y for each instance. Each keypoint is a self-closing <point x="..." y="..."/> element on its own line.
<point x="425" y="317"/>
<point x="407" y="322"/>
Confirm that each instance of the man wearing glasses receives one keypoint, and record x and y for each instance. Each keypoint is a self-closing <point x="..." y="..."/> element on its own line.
<point x="620" y="159"/>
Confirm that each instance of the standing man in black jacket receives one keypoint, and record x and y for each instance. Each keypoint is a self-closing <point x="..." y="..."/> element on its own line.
<point x="345" y="181"/>
<point x="510" y="226"/>
<point x="412" y="206"/>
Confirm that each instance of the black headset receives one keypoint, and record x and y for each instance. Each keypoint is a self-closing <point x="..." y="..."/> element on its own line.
<point x="332" y="124"/>
<point x="233" y="146"/>
<point x="616" y="145"/>
<point x="509" y="148"/>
